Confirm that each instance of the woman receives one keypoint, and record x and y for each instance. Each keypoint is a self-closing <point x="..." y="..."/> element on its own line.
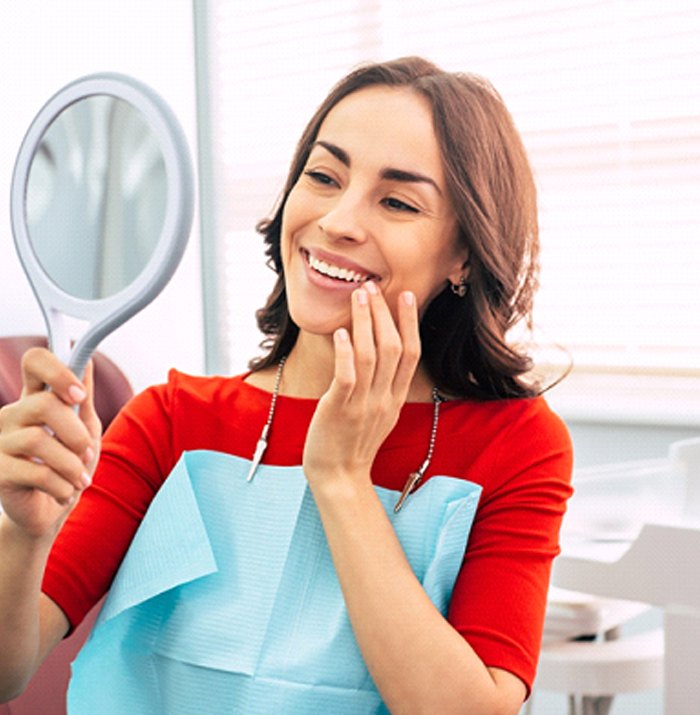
<point x="330" y="492"/>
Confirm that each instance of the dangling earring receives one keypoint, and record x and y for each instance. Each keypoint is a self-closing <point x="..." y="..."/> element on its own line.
<point x="459" y="289"/>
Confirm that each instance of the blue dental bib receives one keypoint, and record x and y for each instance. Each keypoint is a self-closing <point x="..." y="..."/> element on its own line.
<point x="227" y="600"/>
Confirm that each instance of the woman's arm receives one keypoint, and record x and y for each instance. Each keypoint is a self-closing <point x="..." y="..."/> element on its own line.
<point x="31" y="623"/>
<point x="47" y="454"/>
<point x="419" y="663"/>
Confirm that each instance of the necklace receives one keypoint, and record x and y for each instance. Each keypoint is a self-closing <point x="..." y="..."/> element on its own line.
<point x="261" y="446"/>
<point x="414" y="478"/>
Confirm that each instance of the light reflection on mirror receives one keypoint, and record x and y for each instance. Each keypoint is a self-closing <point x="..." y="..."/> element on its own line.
<point x="96" y="196"/>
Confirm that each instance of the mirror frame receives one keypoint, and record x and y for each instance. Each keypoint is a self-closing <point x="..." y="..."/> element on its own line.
<point x="105" y="314"/>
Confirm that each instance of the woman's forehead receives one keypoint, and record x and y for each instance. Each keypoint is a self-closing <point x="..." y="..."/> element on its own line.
<point x="391" y="125"/>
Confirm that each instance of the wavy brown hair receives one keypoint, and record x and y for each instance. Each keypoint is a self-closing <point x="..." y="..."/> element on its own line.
<point x="464" y="345"/>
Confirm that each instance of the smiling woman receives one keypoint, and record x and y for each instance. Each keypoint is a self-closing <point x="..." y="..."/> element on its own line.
<point x="342" y="528"/>
<point x="446" y="212"/>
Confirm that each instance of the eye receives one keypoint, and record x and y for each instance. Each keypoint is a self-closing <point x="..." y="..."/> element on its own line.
<point x="320" y="178"/>
<point x="398" y="205"/>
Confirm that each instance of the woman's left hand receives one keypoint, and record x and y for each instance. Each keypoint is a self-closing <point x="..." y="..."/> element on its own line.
<point x="373" y="372"/>
<point x="405" y="641"/>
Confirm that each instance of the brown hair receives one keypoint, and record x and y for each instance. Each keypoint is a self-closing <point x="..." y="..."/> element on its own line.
<point x="464" y="347"/>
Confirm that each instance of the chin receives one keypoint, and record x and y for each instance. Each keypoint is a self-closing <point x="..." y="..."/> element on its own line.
<point x="315" y="323"/>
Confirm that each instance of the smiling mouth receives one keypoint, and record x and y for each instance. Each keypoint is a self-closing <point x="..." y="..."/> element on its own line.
<point x="345" y="275"/>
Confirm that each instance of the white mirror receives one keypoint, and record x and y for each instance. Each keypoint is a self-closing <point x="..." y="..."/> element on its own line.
<point x="102" y="202"/>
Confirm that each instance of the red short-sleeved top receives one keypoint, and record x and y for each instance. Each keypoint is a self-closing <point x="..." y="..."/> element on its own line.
<point x="519" y="451"/>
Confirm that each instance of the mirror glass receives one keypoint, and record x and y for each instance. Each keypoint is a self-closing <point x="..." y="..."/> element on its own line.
<point x="98" y="174"/>
<point x="101" y="204"/>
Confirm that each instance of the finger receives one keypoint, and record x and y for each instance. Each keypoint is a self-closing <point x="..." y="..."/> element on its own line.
<point x="387" y="339"/>
<point x="34" y="444"/>
<point x="344" y="375"/>
<point x="42" y="369"/>
<point x="27" y="474"/>
<point x="47" y="409"/>
<point x="409" y="329"/>
<point x="87" y="412"/>
<point x="362" y="341"/>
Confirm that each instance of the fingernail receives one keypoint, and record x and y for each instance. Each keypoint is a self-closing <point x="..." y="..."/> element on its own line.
<point x="370" y="287"/>
<point x="362" y="296"/>
<point x="409" y="298"/>
<point x="89" y="455"/>
<point x="85" y="479"/>
<point x="77" y="394"/>
<point x="342" y="335"/>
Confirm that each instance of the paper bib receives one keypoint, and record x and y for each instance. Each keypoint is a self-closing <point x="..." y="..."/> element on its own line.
<point x="227" y="600"/>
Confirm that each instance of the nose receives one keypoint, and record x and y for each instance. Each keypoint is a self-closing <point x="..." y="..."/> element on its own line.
<point x="347" y="218"/>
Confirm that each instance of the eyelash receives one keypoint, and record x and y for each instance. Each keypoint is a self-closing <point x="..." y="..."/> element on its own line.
<point x="320" y="178"/>
<point x="398" y="205"/>
<point x="390" y="202"/>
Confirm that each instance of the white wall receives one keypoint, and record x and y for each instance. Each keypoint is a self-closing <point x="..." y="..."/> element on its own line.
<point x="43" y="46"/>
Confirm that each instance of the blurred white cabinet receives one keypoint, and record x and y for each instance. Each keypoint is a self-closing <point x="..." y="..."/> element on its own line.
<point x="634" y="533"/>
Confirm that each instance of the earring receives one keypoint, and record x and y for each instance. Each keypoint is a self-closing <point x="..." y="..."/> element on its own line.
<point x="459" y="289"/>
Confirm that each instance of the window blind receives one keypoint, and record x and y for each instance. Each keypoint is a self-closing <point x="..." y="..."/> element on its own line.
<point x="606" y="94"/>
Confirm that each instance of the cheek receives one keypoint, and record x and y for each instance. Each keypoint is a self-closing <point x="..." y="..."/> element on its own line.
<point x="430" y="278"/>
<point x="287" y="230"/>
<point x="294" y="216"/>
<point x="425" y="286"/>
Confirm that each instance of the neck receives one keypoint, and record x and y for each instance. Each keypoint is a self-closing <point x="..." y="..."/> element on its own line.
<point x="308" y="371"/>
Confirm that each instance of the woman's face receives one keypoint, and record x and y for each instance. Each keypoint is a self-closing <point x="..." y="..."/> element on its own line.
<point x="371" y="202"/>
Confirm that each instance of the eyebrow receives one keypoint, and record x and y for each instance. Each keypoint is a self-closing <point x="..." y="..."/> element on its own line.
<point x="389" y="174"/>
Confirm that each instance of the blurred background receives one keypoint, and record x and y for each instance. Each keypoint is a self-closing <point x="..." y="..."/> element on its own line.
<point x="605" y="92"/>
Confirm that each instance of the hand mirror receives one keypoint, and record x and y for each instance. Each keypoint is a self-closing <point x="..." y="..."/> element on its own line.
<point x="101" y="207"/>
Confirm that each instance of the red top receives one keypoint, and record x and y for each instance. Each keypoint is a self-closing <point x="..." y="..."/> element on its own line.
<point x="518" y="450"/>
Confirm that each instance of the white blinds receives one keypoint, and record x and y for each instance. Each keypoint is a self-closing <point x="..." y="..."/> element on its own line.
<point x="605" y="92"/>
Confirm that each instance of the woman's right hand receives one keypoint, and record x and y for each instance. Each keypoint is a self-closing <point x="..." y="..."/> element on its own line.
<point x="48" y="450"/>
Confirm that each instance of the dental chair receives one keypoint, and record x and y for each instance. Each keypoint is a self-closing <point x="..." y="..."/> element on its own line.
<point x="45" y="695"/>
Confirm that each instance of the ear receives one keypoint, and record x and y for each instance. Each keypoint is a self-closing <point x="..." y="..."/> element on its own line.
<point x="460" y="270"/>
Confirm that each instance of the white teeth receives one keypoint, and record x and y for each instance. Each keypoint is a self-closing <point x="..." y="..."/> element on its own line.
<point x="327" y="269"/>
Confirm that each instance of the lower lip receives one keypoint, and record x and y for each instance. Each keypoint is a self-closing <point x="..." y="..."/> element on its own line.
<point x="326" y="282"/>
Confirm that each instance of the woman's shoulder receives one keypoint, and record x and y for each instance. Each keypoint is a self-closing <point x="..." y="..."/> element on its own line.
<point x="202" y="386"/>
<point x="509" y="416"/>
<point x="519" y="432"/>
<point x="182" y="391"/>
<point x="179" y="384"/>
<point x="517" y="444"/>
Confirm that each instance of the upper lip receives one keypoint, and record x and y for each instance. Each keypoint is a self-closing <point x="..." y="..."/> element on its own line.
<point x="341" y="262"/>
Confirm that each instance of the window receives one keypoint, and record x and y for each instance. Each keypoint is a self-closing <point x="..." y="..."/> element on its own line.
<point x="606" y="94"/>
